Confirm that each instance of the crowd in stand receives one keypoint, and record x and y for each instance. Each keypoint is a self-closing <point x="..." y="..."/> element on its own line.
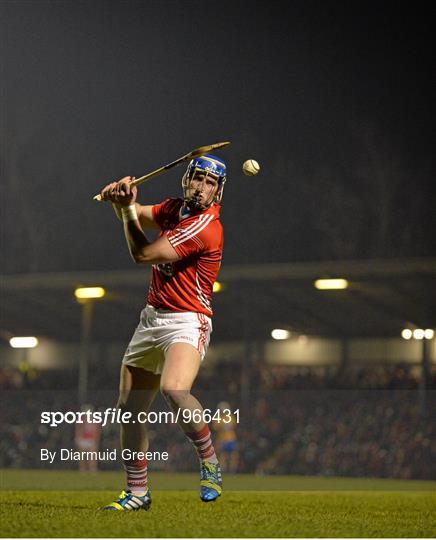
<point x="311" y="421"/>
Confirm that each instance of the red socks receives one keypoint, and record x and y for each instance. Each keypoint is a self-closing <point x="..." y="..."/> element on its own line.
<point x="136" y="470"/>
<point x="203" y="444"/>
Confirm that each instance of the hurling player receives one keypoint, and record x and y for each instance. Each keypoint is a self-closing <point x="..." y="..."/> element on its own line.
<point x="173" y="333"/>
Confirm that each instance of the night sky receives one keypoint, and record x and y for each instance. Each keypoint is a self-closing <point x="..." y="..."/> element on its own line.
<point x="334" y="99"/>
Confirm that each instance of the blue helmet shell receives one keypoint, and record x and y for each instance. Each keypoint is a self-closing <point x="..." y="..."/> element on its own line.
<point x="209" y="163"/>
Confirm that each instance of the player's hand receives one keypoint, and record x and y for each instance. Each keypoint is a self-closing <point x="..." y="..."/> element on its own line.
<point x="121" y="192"/>
<point x="125" y="193"/>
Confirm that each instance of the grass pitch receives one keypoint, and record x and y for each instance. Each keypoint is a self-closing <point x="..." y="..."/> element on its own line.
<point x="61" y="504"/>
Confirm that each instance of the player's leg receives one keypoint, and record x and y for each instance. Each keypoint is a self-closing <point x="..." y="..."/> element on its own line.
<point x="182" y="362"/>
<point x="138" y="389"/>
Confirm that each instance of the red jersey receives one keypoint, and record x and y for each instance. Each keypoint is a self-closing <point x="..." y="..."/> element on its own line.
<point x="186" y="285"/>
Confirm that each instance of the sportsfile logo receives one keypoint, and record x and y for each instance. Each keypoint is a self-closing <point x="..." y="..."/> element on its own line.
<point x="117" y="416"/>
<point x="109" y="416"/>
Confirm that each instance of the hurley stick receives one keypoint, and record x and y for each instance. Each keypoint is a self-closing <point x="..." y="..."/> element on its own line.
<point x="187" y="157"/>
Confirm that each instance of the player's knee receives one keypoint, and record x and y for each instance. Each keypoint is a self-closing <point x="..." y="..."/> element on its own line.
<point x="174" y="393"/>
<point x="122" y="404"/>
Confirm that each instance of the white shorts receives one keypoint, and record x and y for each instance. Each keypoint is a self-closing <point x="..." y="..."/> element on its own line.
<point x="158" y="329"/>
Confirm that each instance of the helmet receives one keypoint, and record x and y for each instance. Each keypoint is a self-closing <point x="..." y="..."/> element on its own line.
<point x="210" y="165"/>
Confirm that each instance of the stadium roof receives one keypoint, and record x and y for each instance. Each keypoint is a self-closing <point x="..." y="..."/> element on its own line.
<point x="383" y="297"/>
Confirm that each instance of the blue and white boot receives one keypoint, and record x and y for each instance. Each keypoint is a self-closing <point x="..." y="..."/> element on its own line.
<point x="128" y="501"/>
<point x="210" y="481"/>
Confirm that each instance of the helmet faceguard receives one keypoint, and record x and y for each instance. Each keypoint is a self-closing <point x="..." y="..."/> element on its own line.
<point x="209" y="166"/>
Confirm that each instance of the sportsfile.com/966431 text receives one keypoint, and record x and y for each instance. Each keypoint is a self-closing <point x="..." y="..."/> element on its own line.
<point x="117" y="416"/>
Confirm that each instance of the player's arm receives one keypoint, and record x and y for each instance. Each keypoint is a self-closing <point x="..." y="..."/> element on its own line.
<point x="145" y="216"/>
<point x="144" y="213"/>
<point x="141" y="249"/>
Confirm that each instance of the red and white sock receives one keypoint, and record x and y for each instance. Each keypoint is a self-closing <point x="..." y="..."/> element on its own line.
<point x="137" y="477"/>
<point x="203" y="444"/>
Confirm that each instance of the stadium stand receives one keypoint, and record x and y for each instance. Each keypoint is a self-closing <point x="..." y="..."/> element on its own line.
<point x="365" y="422"/>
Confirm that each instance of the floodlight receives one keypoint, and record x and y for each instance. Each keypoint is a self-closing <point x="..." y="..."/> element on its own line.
<point x="279" y="333"/>
<point x="418" y="333"/>
<point x="217" y="287"/>
<point x="428" y="333"/>
<point x="407" y="333"/>
<point x="331" y="284"/>
<point x="24" y="342"/>
<point x="82" y="293"/>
